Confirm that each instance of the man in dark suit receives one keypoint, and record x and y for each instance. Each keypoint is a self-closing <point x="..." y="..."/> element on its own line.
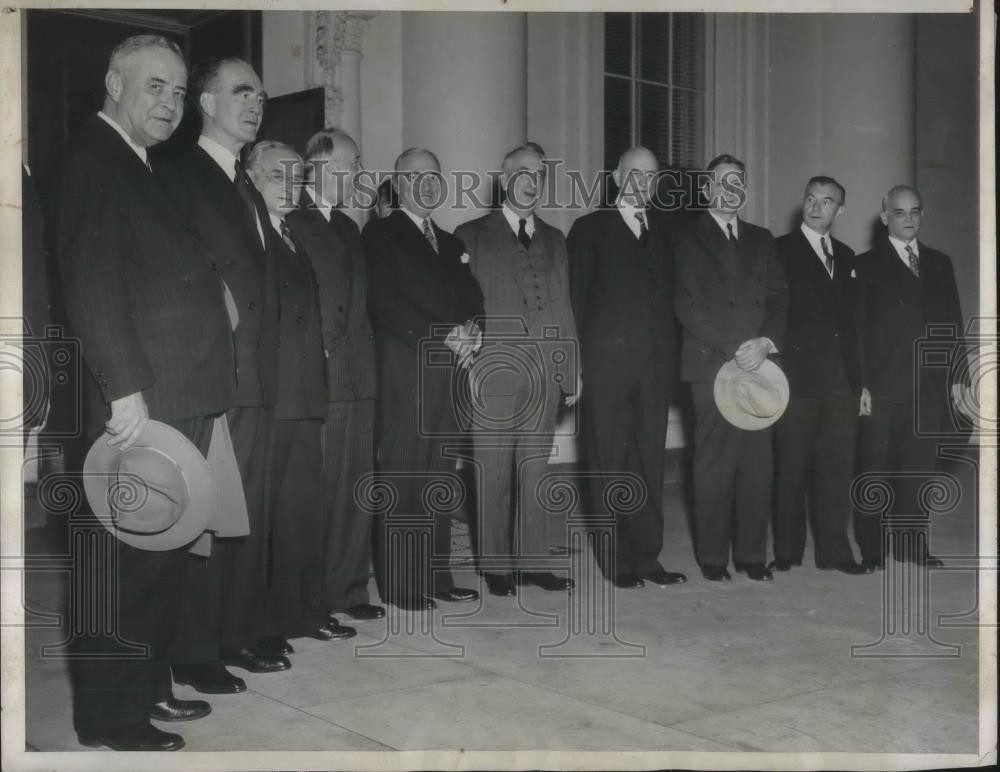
<point x="225" y="592"/>
<point x="622" y="283"/>
<point x="152" y="320"/>
<point x="816" y="437"/>
<point x="527" y="366"/>
<point x="332" y="242"/>
<point x="905" y="289"/>
<point x="732" y="301"/>
<point x="423" y="301"/>
<point x="295" y="460"/>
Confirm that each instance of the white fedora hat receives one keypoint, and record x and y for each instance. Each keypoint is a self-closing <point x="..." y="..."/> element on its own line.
<point x="751" y="399"/>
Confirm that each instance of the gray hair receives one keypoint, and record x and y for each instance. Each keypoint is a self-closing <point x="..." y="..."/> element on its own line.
<point x="324" y="142"/>
<point x="412" y="151"/>
<point x="897" y="189"/>
<point x="527" y="147"/>
<point x="258" y="150"/>
<point x="133" y="45"/>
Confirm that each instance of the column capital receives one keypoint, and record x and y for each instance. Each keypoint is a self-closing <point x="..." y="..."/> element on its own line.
<point x="329" y="35"/>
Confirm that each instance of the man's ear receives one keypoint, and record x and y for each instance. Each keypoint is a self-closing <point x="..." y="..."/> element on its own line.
<point x="885" y="218"/>
<point x="840" y="211"/>
<point x="113" y="85"/>
<point x="616" y="175"/>
<point x="207" y="103"/>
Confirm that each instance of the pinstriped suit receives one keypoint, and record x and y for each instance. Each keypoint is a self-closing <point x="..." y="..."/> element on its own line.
<point x="149" y="313"/>
<point x="337" y="257"/>
<point x="527" y="299"/>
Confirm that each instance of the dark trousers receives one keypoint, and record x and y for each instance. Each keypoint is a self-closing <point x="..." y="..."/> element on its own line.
<point x="815" y="444"/>
<point x="625" y="427"/>
<point x="348" y="458"/>
<point x="412" y="531"/>
<point x="732" y="485"/>
<point x="224" y="593"/>
<point x="511" y="458"/>
<point x="296" y="552"/>
<point x="112" y="691"/>
<point x="890" y="443"/>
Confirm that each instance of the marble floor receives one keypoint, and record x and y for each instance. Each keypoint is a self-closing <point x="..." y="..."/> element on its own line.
<point x="814" y="661"/>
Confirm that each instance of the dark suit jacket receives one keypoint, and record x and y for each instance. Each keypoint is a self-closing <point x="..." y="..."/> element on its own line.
<point x="724" y="299"/>
<point x="415" y="295"/>
<point x="139" y="288"/>
<point x="511" y="304"/>
<point x="35" y="302"/>
<point x="623" y="298"/>
<point x="338" y="261"/>
<point x="820" y="355"/>
<point x="210" y="203"/>
<point x="895" y="309"/>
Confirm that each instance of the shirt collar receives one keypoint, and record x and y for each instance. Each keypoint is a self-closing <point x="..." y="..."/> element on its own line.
<point x="900" y="247"/>
<point x="325" y="209"/>
<point x="724" y="225"/>
<point x="275" y="221"/>
<point x="418" y="221"/>
<point x="815" y="241"/>
<point x="139" y="149"/>
<point x="514" y="220"/>
<point x="222" y="156"/>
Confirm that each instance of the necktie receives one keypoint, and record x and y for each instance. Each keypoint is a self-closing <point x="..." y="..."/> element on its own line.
<point x="286" y="236"/>
<point x="522" y="233"/>
<point x="914" y="261"/>
<point x="429" y="234"/>
<point x="827" y="255"/>
<point x="732" y="233"/>
<point x="643" y="230"/>
<point x="245" y="188"/>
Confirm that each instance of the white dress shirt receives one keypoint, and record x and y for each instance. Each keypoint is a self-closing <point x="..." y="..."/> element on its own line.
<point x="514" y="221"/>
<point x="418" y="221"/>
<point x="628" y="212"/>
<point x="900" y="247"/>
<point x="724" y="224"/>
<point x="139" y="149"/>
<point x="815" y="241"/>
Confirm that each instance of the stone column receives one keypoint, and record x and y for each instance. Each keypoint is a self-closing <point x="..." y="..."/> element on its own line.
<point x="464" y="92"/>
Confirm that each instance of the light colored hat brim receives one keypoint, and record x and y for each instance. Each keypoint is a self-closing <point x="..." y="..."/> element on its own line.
<point x="202" y="495"/>
<point x="724" y="388"/>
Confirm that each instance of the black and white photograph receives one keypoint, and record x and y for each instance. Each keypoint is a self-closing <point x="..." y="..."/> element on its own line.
<point x="498" y="385"/>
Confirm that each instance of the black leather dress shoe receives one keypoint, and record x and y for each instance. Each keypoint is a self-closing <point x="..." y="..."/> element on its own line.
<point x="847" y="567"/>
<point x="209" y="679"/>
<point x="628" y="582"/>
<point x="716" y="574"/>
<point x="179" y="710"/>
<point x="275" y="644"/>
<point x="364" y="611"/>
<point x="333" y="631"/>
<point x="784" y="565"/>
<point x="871" y="565"/>
<point x="663" y="578"/>
<point x="414" y="604"/>
<point x="457" y="595"/>
<point x="546" y="581"/>
<point x="142" y="738"/>
<point x="756" y="571"/>
<point x="500" y="584"/>
<point x="255" y="661"/>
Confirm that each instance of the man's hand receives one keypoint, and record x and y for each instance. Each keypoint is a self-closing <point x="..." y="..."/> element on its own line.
<point x="129" y="417"/>
<point x="752" y="353"/>
<point x="865" y="408"/>
<point x="572" y="399"/>
<point x="463" y="341"/>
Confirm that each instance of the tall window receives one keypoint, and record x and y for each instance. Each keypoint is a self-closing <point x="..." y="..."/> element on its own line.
<point x="654" y="86"/>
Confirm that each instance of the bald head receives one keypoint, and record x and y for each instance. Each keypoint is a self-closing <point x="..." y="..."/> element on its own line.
<point x="635" y="175"/>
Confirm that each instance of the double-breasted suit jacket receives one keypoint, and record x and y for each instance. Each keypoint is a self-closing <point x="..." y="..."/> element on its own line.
<point x="623" y="298"/>
<point x="726" y="294"/>
<point x="528" y="361"/>
<point x="415" y="297"/>
<point x="149" y="312"/>
<point x="816" y="437"/>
